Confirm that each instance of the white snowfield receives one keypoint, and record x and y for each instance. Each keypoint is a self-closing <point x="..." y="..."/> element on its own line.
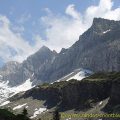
<point x="6" y="91"/>
<point x="65" y="77"/>
<point x="77" y="74"/>
<point x="19" y="106"/>
<point x="38" y="111"/>
<point x="80" y="75"/>
<point x="23" y="87"/>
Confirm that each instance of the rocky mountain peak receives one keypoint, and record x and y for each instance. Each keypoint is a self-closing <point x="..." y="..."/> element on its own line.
<point x="100" y="20"/>
<point x="42" y="54"/>
<point x="100" y="25"/>
<point x="43" y="51"/>
<point x="44" y="48"/>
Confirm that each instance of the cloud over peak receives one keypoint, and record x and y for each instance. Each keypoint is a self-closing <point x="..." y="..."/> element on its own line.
<point x="60" y="30"/>
<point x="63" y="30"/>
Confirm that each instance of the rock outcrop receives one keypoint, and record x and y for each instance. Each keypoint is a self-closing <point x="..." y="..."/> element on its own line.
<point x="114" y="101"/>
<point x="77" y="94"/>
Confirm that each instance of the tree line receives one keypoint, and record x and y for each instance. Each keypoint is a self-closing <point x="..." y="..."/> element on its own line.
<point x="5" y="114"/>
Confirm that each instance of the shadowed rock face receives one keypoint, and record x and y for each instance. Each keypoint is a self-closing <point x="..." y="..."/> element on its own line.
<point x="115" y="93"/>
<point x="114" y="101"/>
<point x="97" y="94"/>
<point x="80" y="94"/>
<point x="69" y="95"/>
<point x="98" y="49"/>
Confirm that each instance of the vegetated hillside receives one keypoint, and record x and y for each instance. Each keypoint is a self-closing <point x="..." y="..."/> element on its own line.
<point x="5" y="114"/>
<point x="98" y="93"/>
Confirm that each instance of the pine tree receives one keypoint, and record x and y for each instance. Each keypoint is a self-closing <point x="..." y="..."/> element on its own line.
<point x="25" y="113"/>
<point x="56" y="115"/>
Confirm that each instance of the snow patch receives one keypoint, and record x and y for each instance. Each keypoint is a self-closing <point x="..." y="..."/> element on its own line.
<point x="23" y="87"/>
<point x="19" y="106"/>
<point x="100" y="103"/>
<point x="26" y="106"/>
<point x="106" y="31"/>
<point x="77" y="74"/>
<point x="38" y="111"/>
<point x="63" y="77"/>
<point x="5" y="103"/>
<point x="6" y="91"/>
<point x="80" y="75"/>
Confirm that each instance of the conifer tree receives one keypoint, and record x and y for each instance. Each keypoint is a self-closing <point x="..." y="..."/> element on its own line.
<point x="56" y="115"/>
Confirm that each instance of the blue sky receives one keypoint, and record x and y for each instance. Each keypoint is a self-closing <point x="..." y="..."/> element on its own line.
<point x="26" y="25"/>
<point x="34" y="9"/>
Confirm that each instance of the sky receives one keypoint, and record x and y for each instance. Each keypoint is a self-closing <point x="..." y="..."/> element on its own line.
<point x="27" y="25"/>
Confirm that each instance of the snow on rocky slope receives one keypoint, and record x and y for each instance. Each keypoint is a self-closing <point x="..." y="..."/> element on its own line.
<point x="77" y="74"/>
<point x="6" y="91"/>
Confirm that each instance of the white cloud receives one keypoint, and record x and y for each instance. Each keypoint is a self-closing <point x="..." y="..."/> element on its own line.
<point x="64" y="30"/>
<point x="11" y="42"/>
<point x="72" y="12"/>
<point x="60" y="30"/>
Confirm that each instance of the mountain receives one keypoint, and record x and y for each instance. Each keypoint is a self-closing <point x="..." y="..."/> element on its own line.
<point x="98" y="49"/>
<point x="16" y="77"/>
<point x="17" y="73"/>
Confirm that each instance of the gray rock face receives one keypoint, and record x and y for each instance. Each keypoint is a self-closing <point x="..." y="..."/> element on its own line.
<point x="98" y="49"/>
<point x="17" y="73"/>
